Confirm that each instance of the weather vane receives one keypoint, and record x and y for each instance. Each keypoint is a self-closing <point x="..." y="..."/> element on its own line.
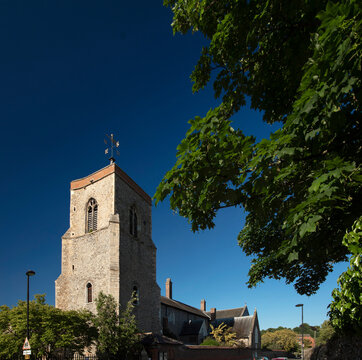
<point x="113" y="144"/>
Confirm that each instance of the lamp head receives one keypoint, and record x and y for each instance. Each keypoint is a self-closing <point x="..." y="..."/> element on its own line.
<point x="298" y="305"/>
<point x="30" y="273"/>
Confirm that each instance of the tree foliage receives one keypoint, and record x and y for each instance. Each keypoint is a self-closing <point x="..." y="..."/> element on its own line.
<point x="325" y="333"/>
<point x="51" y="330"/>
<point x="209" y="341"/>
<point x="300" y="64"/>
<point x="306" y="329"/>
<point x="118" y="337"/>
<point x="346" y="307"/>
<point x="223" y="335"/>
<point x="285" y="339"/>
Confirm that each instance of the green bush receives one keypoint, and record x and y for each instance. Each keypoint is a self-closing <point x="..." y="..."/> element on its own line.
<point x="210" y="342"/>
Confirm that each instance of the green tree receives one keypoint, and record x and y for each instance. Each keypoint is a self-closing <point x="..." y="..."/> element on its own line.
<point x="118" y="337"/>
<point x="325" y="333"/>
<point x="51" y="329"/>
<point x="285" y="339"/>
<point x="223" y="335"/>
<point x="273" y="329"/>
<point x="305" y="329"/>
<point x="299" y="63"/>
<point x="346" y="307"/>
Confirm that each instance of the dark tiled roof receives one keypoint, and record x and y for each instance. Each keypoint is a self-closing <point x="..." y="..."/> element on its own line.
<point x="230" y="313"/>
<point x="242" y="326"/>
<point x="181" y="306"/>
<point x="153" y="339"/>
<point x="191" y="327"/>
<point x="228" y="321"/>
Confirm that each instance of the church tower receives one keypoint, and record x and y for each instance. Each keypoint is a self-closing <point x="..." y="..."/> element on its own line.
<point x="108" y="247"/>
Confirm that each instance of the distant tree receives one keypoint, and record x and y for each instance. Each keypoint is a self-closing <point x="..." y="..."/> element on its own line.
<point x="307" y="342"/>
<point x="51" y="330"/>
<point x="305" y="329"/>
<point x="273" y="329"/>
<point x="325" y="333"/>
<point x="118" y="334"/>
<point x="285" y="339"/>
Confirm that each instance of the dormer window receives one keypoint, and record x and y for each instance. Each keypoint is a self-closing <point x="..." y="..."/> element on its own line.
<point x="92" y="215"/>
<point x="133" y="222"/>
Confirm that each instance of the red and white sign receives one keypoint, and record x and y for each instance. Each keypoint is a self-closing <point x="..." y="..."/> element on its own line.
<point x="26" y="345"/>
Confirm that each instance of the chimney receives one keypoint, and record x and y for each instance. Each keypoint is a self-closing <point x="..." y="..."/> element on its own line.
<point x="169" y="288"/>
<point x="203" y="305"/>
<point x="213" y="313"/>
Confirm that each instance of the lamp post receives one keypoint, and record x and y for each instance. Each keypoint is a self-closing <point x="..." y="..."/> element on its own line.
<point x="28" y="274"/>
<point x="301" y="305"/>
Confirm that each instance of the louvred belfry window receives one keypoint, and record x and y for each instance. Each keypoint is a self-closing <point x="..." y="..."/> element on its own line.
<point x="92" y="215"/>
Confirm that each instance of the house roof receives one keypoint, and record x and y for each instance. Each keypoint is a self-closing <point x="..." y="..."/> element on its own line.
<point x="242" y="326"/>
<point x="230" y="313"/>
<point x="181" y="306"/>
<point x="154" y="339"/>
<point x="191" y="327"/>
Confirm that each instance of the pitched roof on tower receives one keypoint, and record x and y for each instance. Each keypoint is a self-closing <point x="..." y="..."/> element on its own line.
<point x="108" y="170"/>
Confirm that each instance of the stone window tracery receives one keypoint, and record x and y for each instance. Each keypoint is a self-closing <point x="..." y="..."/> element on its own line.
<point x="92" y="215"/>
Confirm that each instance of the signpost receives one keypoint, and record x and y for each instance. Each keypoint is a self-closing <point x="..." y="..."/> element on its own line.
<point x="26" y="349"/>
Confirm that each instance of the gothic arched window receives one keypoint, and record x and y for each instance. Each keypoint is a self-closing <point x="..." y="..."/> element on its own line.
<point x="89" y="293"/>
<point x="92" y="215"/>
<point x="133" y="221"/>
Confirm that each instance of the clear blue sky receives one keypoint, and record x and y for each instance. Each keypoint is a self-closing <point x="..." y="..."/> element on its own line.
<point x="73" y="71"/>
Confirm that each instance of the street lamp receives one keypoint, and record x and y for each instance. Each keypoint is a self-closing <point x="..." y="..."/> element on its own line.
<point x="28" y="274"/>
<point x="301" y="305"/>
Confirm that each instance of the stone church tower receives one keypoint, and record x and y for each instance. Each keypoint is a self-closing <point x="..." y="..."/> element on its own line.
<point x="108" y="247"/>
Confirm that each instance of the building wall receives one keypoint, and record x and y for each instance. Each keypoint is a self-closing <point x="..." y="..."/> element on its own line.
<point x="176" y="318"/>
<point x="138" y="256"/>
<point x="103" y="191"/>
<point x="111" y="259"/>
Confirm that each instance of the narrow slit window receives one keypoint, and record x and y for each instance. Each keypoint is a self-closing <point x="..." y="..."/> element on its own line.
<point x="133" y="222"/>
<point x="89" y="293"/>
<point x="92" y="215"/>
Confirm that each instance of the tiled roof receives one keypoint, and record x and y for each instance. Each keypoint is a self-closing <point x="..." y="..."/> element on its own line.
<point x="181" y="306"/>
<point x="230" y="313"/>
<point x="242" y="326"/>
<point x="153" y="339"/>
<point x="191" y="327"/>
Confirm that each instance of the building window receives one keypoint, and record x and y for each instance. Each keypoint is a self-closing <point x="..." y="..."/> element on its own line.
<point x="92" y="215"/>
<point x="136" y="295"/>
<point x="162" y="355"/>
<point x="89" y="293"/>
<point x="133" y="224"/>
